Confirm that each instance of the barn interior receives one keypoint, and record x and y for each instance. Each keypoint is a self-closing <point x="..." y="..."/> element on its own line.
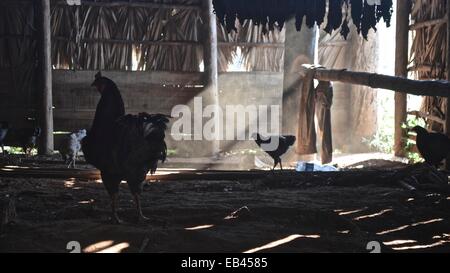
<point x="349" y="79"/>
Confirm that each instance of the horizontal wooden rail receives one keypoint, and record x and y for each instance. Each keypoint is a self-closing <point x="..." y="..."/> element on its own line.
<point x="430" y="23"/>
<point x="397" y="84"/>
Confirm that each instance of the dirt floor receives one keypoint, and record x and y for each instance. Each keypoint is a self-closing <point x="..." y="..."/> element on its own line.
<point x="281" y="212"/>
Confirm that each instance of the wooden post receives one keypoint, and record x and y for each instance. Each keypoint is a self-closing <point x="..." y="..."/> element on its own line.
<point x="401" y="70"/>
<point x="210" y="61"/>
<point x="299" y="49"/>
<point x="447" y="111"/>
<point x="45" y="82"/>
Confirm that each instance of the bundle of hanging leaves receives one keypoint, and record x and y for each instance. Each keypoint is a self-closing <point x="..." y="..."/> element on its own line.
<point x="365" y="14"/>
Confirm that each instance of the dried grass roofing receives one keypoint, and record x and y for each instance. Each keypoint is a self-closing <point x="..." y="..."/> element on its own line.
<point x="429" y="49"/>
<point x="165" y="36"/>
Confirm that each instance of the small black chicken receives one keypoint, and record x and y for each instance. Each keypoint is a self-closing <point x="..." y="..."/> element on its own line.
<point x="123" y="147"/>
<point x="433" y="147"/>
<point x="284" y="143"/>
<point x="25" y="138"/>
<point x="4" y="127"/>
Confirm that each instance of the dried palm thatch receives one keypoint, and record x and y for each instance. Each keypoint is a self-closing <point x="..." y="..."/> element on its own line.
<point x="18" y="48"/>
<point x="125" y="37"/>
<point x="429" y="51"/>
<point x="113" y="38"/>
<point x="254" y="58"/>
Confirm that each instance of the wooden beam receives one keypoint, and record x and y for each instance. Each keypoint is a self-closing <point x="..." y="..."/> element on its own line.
<point x="378" y="81"/>
<point x="425" y="67"/>
<point x="427" y="116"/>
<point x="447" y="109"/>
<point x="133" y="4"/>
<point x="210" y="51"/>
<point x="244" y="44"/>
<point x="136" y="42"/>
<point x="15" y="2"/>
<point x="401" y="70"/>
<point x="430" y="23"/>
<point x="158" y="43"/>
<point x="45" y="70"/>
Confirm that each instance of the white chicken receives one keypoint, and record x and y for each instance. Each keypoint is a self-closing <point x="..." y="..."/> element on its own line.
<point x="70" y="146"/>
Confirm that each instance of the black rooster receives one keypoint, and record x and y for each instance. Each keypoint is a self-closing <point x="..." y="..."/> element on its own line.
<point x="283" y="143"/>
<point x="123" y="147"/>
<point x="4" y="127"/>
<point x="433" y="147"/>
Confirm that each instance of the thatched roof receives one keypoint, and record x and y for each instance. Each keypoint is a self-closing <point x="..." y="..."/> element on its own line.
<point x="365" y="14"/>
<point x="429" y="52"/>
<point x="113" y="35"/>
<point x="169" y="39"/>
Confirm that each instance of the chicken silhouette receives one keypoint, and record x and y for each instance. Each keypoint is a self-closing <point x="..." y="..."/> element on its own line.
<point x="123" y="147"/>
<point x="433" y="147"/>
<point x="283" y="144"/>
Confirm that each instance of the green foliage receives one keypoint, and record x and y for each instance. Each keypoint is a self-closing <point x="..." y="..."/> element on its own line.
<point x="18" y="151"/>
<point x="172" y="152"/>
<point x="411" y="154"/>
<point x="382" y="141"/>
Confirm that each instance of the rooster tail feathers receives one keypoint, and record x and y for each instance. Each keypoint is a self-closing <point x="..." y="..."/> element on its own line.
<point x="154" y="124"/>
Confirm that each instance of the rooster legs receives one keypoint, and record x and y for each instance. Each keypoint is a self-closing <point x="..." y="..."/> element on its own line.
<point x="114" y="216"/>
<point x="276" y="162"/>
<point x="137" y="200"/>
<point x="111" y="183"/>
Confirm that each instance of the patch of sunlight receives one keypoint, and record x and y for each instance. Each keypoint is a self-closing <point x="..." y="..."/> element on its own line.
<point x="440" y="243"/>
<point x="427" y="222"/>
<point x="98" y="246"/>
<point x="443" y="236"/>
<point x="399" y="242"/>
<point x="115" y="248"/>
<point x="393" y="230"/>
<point x="343" y="213"/>
<point x="373" y="215"/>
<point x="69" y="183"/>
<point x="433" y="195"/>
<point x="412" y="225"/>
<point x="164" y="172"/>
<point x="16" y="167"/>
<point x="86" y="202"/>
<point x="282" y="242"/>
<point x="200" y="227"/>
